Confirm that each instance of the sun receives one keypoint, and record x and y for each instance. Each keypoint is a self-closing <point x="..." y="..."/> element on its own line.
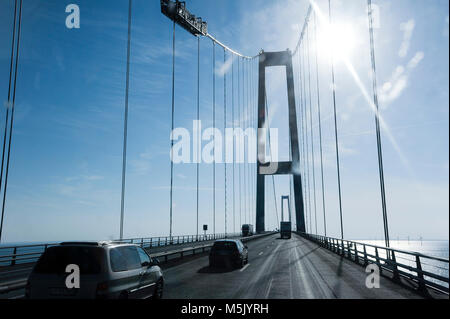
<point x="337" y="39"/>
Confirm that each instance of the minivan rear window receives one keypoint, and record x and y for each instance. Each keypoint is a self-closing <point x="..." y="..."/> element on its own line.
<point x="55" y="260"/>
<point x="124" y="258"/>
<point x="224" y="246"/>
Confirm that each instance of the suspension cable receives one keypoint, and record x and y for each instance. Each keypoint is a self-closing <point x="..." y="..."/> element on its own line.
<point x="270" y="151"/>
<point x="234" y="153"/>
<point x="8" y="105"/>
<point x="302" y="33"/>
<point x="224" y="130"/>
<point x="231" y="50"/>
<point x="377" y="123"/>
<point x="312" y="130"/>
<point x="244" y="111"/>
<point x="333" y="81"/>
<point x="299" y="113"/>
<point x="172" y="127"/>
<point x="305" y="123"/>
<point x="254" y="107"/>
<point x="198" y="119"/>
<point x="214" y="127"/>
<point x="239" y="117"/>
<point x="320" y="126"/>
<point x="247" y="126"/>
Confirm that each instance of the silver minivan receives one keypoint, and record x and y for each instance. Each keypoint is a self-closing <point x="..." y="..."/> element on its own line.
<point x="106" y="270"/>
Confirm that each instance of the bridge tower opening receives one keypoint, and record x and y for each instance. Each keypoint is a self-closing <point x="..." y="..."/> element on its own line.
<point x="272" y="59"/>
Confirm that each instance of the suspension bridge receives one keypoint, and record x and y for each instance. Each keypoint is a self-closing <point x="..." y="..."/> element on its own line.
<point x="311" y="264"/>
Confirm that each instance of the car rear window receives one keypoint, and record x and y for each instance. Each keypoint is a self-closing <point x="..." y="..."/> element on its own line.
<point x="56" y="259"/>
<point x="224" y="246"/>
<point x="124" y="258"/>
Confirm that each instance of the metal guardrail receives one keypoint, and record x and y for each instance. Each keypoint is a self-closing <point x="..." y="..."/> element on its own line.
<point x="400" y="263"/>
<point x="20" y="284"/>
<point x="14" y="255"/>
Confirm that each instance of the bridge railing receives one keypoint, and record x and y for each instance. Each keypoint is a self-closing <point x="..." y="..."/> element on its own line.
<point x="426" y="271"/>
<point x="23" y="254"/>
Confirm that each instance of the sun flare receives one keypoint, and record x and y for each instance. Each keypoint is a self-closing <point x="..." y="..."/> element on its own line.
<point x="338" y="39"/>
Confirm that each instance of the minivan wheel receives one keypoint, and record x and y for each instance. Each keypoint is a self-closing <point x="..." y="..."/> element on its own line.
<point x="158" y="290"/>
<point x="123" y="295"/>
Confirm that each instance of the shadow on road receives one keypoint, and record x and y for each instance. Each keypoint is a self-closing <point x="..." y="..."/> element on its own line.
<point x="215" y="270"/>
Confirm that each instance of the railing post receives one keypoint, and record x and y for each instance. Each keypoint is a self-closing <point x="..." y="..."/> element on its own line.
<point x="395" y="268"/>
<point x="377" y="258"/>
<point x="356" y="253"/>
<point x="422" y="288"/>
<point x="159" y="241"/>
<point x="365" y="256"/>
<point x="142" y="242"/>
<point x="343" y="248"/>
<point x="13" y="260"/>
<point x="349" y="253"/>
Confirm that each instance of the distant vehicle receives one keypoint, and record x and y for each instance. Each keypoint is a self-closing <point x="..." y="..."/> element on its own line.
<point x="247" y="230"/>
<point x="107" y="270"/>
<point x="285" y="230"/>
<point x="228" y="253"/>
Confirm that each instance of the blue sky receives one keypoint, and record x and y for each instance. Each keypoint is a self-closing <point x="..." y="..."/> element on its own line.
<point x="65" y="175"/>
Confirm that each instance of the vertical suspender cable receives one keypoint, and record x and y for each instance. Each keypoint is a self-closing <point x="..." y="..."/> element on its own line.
<point x="172" y="127"/>
<point x="240" y="150"/>
<point x="270" y="150"/>
<point x="377" y="123"/>
<point x="198" y="119"/>
<point x="305" y="119"/>
<point x="312" y="131"/>
<point x="244" y="110"/>
<point x="254" y="127"/>
<point x="214" y="127"/>
<point x="125" y="122"/>
<point x="224" y="130"/>
<point x="336" y="128"/>
<point x="320" y="126"/>
<point x="248" y="162"/>
<point x="9" y="102"/>
<point x="250" y="120"/>
<point x="234" y="153"/>
<point x="300" y="113"/>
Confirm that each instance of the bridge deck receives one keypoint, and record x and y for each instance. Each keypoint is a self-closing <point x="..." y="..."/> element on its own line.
<point x="294" y="268"/>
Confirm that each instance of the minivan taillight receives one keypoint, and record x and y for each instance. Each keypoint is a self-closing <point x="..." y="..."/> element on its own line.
<point x="101" y="287"/>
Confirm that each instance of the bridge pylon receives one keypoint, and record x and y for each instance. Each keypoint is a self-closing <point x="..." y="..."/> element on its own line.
<point x="271" y="59"/>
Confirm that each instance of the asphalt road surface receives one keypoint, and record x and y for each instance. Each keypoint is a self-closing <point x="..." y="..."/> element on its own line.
<point x="279" y="268"/>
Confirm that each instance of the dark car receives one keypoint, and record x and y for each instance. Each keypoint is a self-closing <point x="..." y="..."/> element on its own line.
<point x="228" y="253"/>
<point x="106" y="270"/>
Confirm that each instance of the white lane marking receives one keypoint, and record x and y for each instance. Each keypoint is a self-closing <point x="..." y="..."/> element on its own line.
<point x="245" y="267"/>
<point x="268" y="288"/>
<point x="260" y="253"/>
